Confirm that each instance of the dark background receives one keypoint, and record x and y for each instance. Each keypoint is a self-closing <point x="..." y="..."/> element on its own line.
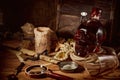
<point x="44" y="12"/>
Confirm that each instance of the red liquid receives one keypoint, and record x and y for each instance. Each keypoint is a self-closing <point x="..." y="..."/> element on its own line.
<point x="89" y="37"/>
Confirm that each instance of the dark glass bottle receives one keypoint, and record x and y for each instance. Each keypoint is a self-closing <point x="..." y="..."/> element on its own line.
<point x="90" y="35"/>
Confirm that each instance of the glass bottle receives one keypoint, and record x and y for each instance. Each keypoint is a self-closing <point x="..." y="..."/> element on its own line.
<point x="90" y="35"/>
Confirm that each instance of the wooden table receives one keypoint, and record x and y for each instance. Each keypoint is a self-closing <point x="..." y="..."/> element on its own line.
<point x="9" y="62"/>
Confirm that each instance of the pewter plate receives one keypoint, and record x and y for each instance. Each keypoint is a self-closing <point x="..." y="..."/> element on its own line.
<point x="68" y="66"/>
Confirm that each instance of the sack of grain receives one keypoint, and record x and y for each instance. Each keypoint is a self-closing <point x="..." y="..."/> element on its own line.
<point x="28" y="30"/>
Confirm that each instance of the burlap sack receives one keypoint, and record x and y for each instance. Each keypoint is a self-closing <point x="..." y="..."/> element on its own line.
<point x="28" y="30"/>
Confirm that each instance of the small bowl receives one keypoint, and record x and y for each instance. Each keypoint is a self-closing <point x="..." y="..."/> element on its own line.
<point x="68" y="66"/>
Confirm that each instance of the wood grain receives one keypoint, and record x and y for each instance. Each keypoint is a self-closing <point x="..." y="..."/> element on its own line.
<point x="9" y="62"/>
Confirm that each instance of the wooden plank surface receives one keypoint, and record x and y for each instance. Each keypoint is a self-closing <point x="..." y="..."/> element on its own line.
<point x="9" y="62"/>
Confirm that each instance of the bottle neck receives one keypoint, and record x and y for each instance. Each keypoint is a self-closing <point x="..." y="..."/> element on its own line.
<point x="83" y="17"/>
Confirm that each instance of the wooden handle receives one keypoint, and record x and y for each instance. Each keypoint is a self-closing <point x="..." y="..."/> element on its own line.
<point x="19" y="68"/>
<point x="58" y="76"/>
